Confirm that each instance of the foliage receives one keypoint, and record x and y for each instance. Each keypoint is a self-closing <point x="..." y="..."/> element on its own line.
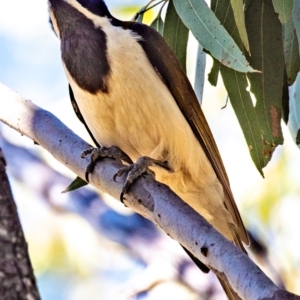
<point x="254" y="45"/>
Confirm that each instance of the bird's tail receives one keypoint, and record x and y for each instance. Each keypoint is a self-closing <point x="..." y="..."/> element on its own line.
<point x="231" y="294"/>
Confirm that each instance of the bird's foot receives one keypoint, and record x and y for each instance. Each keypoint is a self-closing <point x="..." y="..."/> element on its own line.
<point x="103" y="152"/>
<point x="135" y="170"/>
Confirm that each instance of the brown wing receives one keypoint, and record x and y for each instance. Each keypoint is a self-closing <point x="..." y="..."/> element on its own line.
<point x="164" y="61"/>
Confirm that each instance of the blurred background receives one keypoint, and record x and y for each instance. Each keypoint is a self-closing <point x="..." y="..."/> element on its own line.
<point x="84" y="245"/>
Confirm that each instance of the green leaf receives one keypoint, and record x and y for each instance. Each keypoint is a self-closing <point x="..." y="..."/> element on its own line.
<point x="75" y="184"/>
<point x="294" y="117"/>
<point x="265" y="38"/>
<point x="158" y="24"/>
<point x="296" y="18"/>
<point x="284" y="9"/>
<point x="221" y="10"/>
<point x="224" y="12"/>
<point x="254" y="120"/>
<point x="199" y="74"/>
<point x="285" y="104"/>
<point x="214" y="73"/>
<point x="236" y="85"/>
<point x="221" y="15"/>
<point x="207" y="29"/>
<point x="176" y="34"/>
<point x="239" y="16"/>
<point x="291" y="51"/>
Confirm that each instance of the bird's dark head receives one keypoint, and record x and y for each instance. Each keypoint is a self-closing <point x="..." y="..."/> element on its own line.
<point x="78" y="24"/>
<point x="97" y="7"/>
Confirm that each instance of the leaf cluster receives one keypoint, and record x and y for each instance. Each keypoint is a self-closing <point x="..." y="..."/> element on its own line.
<point x="255" y="49"/>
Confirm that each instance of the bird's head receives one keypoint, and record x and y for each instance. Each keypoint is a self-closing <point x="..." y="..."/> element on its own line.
<point x="78" y="24"/>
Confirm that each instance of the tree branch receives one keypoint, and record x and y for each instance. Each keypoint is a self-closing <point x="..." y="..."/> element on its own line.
<point x="147" y="197"/>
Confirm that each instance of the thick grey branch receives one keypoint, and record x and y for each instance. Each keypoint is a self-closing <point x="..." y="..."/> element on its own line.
<point x="153" y="200"/>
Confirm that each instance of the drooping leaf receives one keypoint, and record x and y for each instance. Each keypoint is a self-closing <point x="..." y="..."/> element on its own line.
<point x="176" y="34"/>
<point x="291" y="51"/>
<point x="284" y="9"/>
<point x="239" y="16"/>
<point x="75" y="184"/>
<point x="296" y="18"/>
<point x="158" y="24"/>
<point x="220" y="9"/>
<point x="294" y="117"/>
<point x="214" y="72"/>
<point x="236" y="85"/>
<point x="265" y="38"/>
<point x="207" y="29"/>
<point x="199" y="74"/>
<point x="285" y="99"/>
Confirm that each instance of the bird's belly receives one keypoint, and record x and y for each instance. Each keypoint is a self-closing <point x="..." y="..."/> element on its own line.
<point x="137" y="113"/>
<point x="140" y="116"/>
<point x="143" y="121"/>
<point x="138" y="120"/>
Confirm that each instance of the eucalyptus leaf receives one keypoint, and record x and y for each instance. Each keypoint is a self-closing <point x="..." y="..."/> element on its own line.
<point x="285" y="105"/>
<point x="239" y="16"/>
<point x="284" y="9"/>
<point x="294" y="117"/>
<point x="158" y="24"/>
<point x="265" y="38"/>
<point x="236" y="84"/>
<point x="296" y="18"/>
<point x="206" y="28"/>
<point x="199" y="74"/>
<point x="75" y="184"/>
<point x="214" y="72"/>
<point x="291" y="51"/>
<point x="176" y="34"/>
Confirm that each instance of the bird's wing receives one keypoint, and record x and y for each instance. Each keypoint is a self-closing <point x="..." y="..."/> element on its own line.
<point x="165" y="63"/>
<point x="79" y="115"/>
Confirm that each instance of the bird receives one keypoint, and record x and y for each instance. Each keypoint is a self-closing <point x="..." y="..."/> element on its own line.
<point x="128" y="89"/>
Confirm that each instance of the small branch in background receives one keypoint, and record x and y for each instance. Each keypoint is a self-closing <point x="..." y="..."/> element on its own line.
<point x="17" y="280"/>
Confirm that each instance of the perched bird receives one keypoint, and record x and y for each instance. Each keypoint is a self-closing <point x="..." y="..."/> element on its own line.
<point x="129" y="90"/>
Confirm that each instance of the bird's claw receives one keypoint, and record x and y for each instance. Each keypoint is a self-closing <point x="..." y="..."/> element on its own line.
<point x="103" y="152"/>
<point x="135" y="170"/>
